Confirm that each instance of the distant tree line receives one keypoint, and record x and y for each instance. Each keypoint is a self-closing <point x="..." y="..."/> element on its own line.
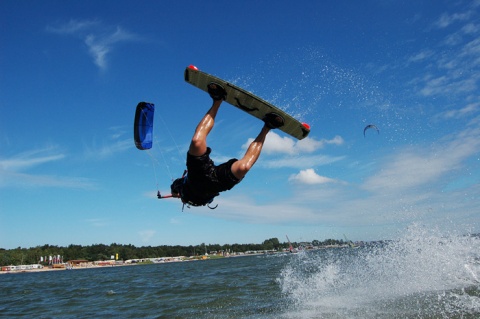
<point x="25" y="256"/>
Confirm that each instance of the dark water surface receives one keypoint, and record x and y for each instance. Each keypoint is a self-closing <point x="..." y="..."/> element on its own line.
<point x="226" y="288"/>
<point x="437" y="277"/>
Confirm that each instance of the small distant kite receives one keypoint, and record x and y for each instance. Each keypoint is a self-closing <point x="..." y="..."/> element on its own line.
<point x="370" y="126"/>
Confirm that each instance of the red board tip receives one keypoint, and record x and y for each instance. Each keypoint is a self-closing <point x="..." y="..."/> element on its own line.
<point x="305" y="125"/>
<point x="193" y="67"/>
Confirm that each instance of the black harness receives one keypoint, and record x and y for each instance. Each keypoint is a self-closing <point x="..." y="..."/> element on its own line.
<point x="188" y="202"/>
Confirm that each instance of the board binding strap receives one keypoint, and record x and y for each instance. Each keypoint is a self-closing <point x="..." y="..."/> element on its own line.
<point x="246" y="101"/>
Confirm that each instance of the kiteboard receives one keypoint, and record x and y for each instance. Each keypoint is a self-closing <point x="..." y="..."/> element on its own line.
<point x="246" y="101"/>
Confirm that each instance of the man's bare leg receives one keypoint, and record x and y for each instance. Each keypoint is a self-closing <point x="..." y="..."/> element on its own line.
<point x="241" y="167"/>
<point x="198" y="145"/>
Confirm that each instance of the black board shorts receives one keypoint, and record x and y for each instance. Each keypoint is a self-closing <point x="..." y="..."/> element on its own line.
<point x="207" y="177"/>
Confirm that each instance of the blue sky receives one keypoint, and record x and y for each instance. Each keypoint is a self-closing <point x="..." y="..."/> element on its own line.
<point x="72" y="73"/>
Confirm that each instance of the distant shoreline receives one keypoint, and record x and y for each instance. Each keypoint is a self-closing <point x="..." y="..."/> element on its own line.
<point x="49" y="269"/>
<point x="92" y="265"/>
<point x="144" y="261"/>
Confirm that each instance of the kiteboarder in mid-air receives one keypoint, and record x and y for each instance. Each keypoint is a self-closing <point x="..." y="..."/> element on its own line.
<point x="203" y="180"/>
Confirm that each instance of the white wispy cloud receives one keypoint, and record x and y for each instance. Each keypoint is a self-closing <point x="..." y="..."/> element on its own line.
<point x="448" y="19"/>
<point x="26" y="160"/>
<point x="408" y="185"/>
<point x="461" y="113"/>
<point x="31" y="158"/>
<point x="73" y="26"/>
<point x="100" y="46"/>
<point x="471" y="28"/>
<point x="12" y="170"/>
<point x="419" y="166"/>
<point x="100" y="39"/>
<point x="247" y="210"/>
<point x="284" y="151"/>
<point x="450" y="67"/>
<point x="107" y="149"/>
<point x="309" y="176"/>
<point x="276" y="144"/>
<point x="14" y="179"/>
<point x="98" y="222"/>
<point x="421" y="56"/>
<point x="146" y="235"/>
<point x="299" y="161"/>
<point x="445" y="84"/>
<point x="111" y="143"/>
<point x="455" y="73"/>
<point x="175" y="221"/>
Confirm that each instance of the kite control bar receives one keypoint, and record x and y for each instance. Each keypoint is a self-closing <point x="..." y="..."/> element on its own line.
<point x="159" y="196"/>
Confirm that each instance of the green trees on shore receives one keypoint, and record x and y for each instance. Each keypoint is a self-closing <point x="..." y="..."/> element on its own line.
<point x="19" y="256"/>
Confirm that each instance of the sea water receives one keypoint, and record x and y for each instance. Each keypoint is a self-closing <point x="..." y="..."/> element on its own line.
<point x="424" y="274"/>
<point x="421" y="275"/>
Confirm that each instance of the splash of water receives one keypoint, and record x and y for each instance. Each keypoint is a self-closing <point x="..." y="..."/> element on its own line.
<point x="424" y="273"/>
<point x="305" y="80"/>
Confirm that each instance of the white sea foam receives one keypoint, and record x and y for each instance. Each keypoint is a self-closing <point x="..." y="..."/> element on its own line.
<point x="424" y="272"/>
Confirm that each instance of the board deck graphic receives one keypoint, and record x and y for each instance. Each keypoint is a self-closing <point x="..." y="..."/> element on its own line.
<point x="247" y="101"/>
